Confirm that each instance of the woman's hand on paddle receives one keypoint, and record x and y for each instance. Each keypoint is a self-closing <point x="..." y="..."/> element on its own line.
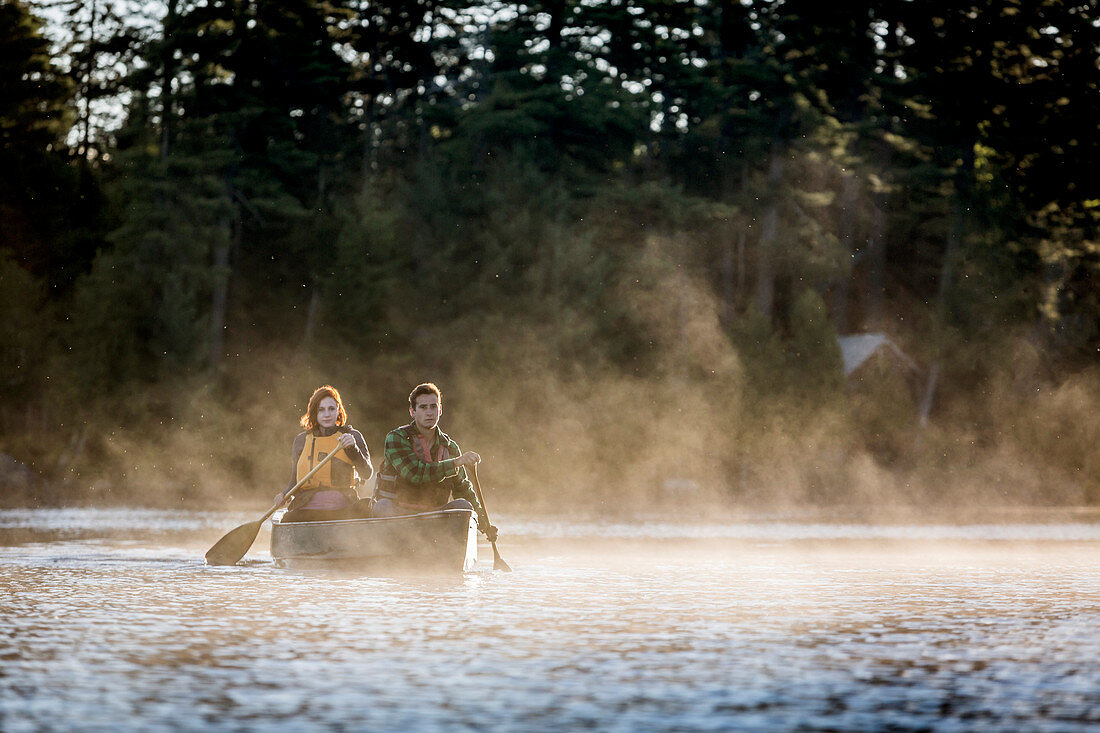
<point x="346" y="440"/>
<point x="469" y="458"/>
<point x="280" y="498"/>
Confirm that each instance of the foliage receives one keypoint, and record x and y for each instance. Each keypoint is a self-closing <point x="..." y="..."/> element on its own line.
<point x="51" y="213"/>
<point x="24" y="330"/>
<point x="670" y="198"/>
<point x="814" y="351"/>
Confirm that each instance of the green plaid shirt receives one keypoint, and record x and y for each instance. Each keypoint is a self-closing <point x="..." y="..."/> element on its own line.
<point x="401" y="459"/>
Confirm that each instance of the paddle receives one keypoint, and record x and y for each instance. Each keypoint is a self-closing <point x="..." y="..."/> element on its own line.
<point x="231" y="548"/>
<point x="498" y="561"/>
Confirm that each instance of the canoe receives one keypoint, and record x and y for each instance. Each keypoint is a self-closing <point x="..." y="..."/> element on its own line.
<point x="443" y="541"/>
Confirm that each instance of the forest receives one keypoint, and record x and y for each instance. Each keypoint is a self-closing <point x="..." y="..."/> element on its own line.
<point x="625" y="237"/>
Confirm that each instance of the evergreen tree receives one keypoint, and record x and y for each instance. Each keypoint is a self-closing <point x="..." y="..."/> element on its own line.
<point x="24" y="350"/>
<point x="549" y="100"/>
<point x="144" y="312"/>
<point x="98" y="42"/>
<point x="814" y="351"/>
<point x="49" y="216"/>
<point x="252" y="97"/>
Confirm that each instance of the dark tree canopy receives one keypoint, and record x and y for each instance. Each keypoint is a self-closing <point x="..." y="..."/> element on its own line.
<point x="371" y="180"/>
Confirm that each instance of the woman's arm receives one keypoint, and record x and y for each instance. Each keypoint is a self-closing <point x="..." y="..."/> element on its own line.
<point x="360" y="455"/>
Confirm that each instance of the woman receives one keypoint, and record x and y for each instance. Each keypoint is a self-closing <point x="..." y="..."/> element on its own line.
<point x="330" y="492"/>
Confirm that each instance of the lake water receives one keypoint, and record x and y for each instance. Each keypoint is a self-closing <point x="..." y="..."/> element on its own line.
<point x="109" y="620"/>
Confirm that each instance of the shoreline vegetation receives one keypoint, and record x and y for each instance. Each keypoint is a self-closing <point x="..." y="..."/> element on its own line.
<point x="616" y="445"/>
<point x="627" y="250"/>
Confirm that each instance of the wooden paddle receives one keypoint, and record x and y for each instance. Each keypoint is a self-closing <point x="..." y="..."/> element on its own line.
<point x="498" y="561"/>
<point x="231" y="548"/>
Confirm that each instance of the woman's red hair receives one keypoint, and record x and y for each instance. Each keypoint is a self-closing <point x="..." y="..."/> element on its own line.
<point x="309" y="420"/>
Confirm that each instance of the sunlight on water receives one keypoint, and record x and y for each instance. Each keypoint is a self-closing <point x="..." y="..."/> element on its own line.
<point x="111" y="621"/>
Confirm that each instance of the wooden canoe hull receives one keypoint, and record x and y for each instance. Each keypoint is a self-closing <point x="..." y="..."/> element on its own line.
<point x="443" y="541"/>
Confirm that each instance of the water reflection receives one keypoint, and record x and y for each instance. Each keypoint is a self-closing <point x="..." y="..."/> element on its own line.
<point x="114" y="623"/>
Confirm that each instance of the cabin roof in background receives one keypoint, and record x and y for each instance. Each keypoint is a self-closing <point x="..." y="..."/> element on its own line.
<point x="858" y="348"/>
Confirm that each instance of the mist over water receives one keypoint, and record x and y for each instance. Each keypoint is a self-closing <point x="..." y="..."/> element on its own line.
<point x="112" y="622"/>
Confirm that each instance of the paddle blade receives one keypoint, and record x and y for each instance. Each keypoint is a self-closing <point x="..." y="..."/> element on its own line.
<point x="498" y="561"/>
<point x="231" y="548"/>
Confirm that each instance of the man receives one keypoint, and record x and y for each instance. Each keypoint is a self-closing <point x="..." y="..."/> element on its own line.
<point x="424" y="470"/>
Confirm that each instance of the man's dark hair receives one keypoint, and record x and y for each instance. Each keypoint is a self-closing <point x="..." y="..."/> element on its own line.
<point x="425" y="388"/>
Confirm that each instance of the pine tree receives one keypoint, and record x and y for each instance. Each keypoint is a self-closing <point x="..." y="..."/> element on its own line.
<point x="47" y="224"/>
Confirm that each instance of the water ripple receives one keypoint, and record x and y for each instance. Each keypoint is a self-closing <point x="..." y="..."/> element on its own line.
<point x="604" y="627"/>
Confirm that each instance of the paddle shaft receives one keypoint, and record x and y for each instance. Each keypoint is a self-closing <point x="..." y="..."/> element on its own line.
<point x="498" y="561"/>
<point x="298" y="485"/>
<point x="233" y="546"/>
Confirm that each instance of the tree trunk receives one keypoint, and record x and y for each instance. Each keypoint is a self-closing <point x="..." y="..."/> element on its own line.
<point x="876" y="264"/>
<point x="311" y="315"/>
<point x="847" y="236"/>
<point x="220" y="297"/>
<point x="729" y="289"/>
<point x="556" y="9"/>
<point x="929" y="393"/>
<point x="947" y="272"/>
<point x="367" y="161"/>
<point x="951" y="248"/>
<point x="765" y="251"/>
<point x="167" y="94"/>
<point x="742" y="270"/>
<point x="86" y="90"/>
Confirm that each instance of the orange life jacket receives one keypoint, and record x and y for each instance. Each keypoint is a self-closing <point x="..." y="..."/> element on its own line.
<point x="338" y="473"/>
